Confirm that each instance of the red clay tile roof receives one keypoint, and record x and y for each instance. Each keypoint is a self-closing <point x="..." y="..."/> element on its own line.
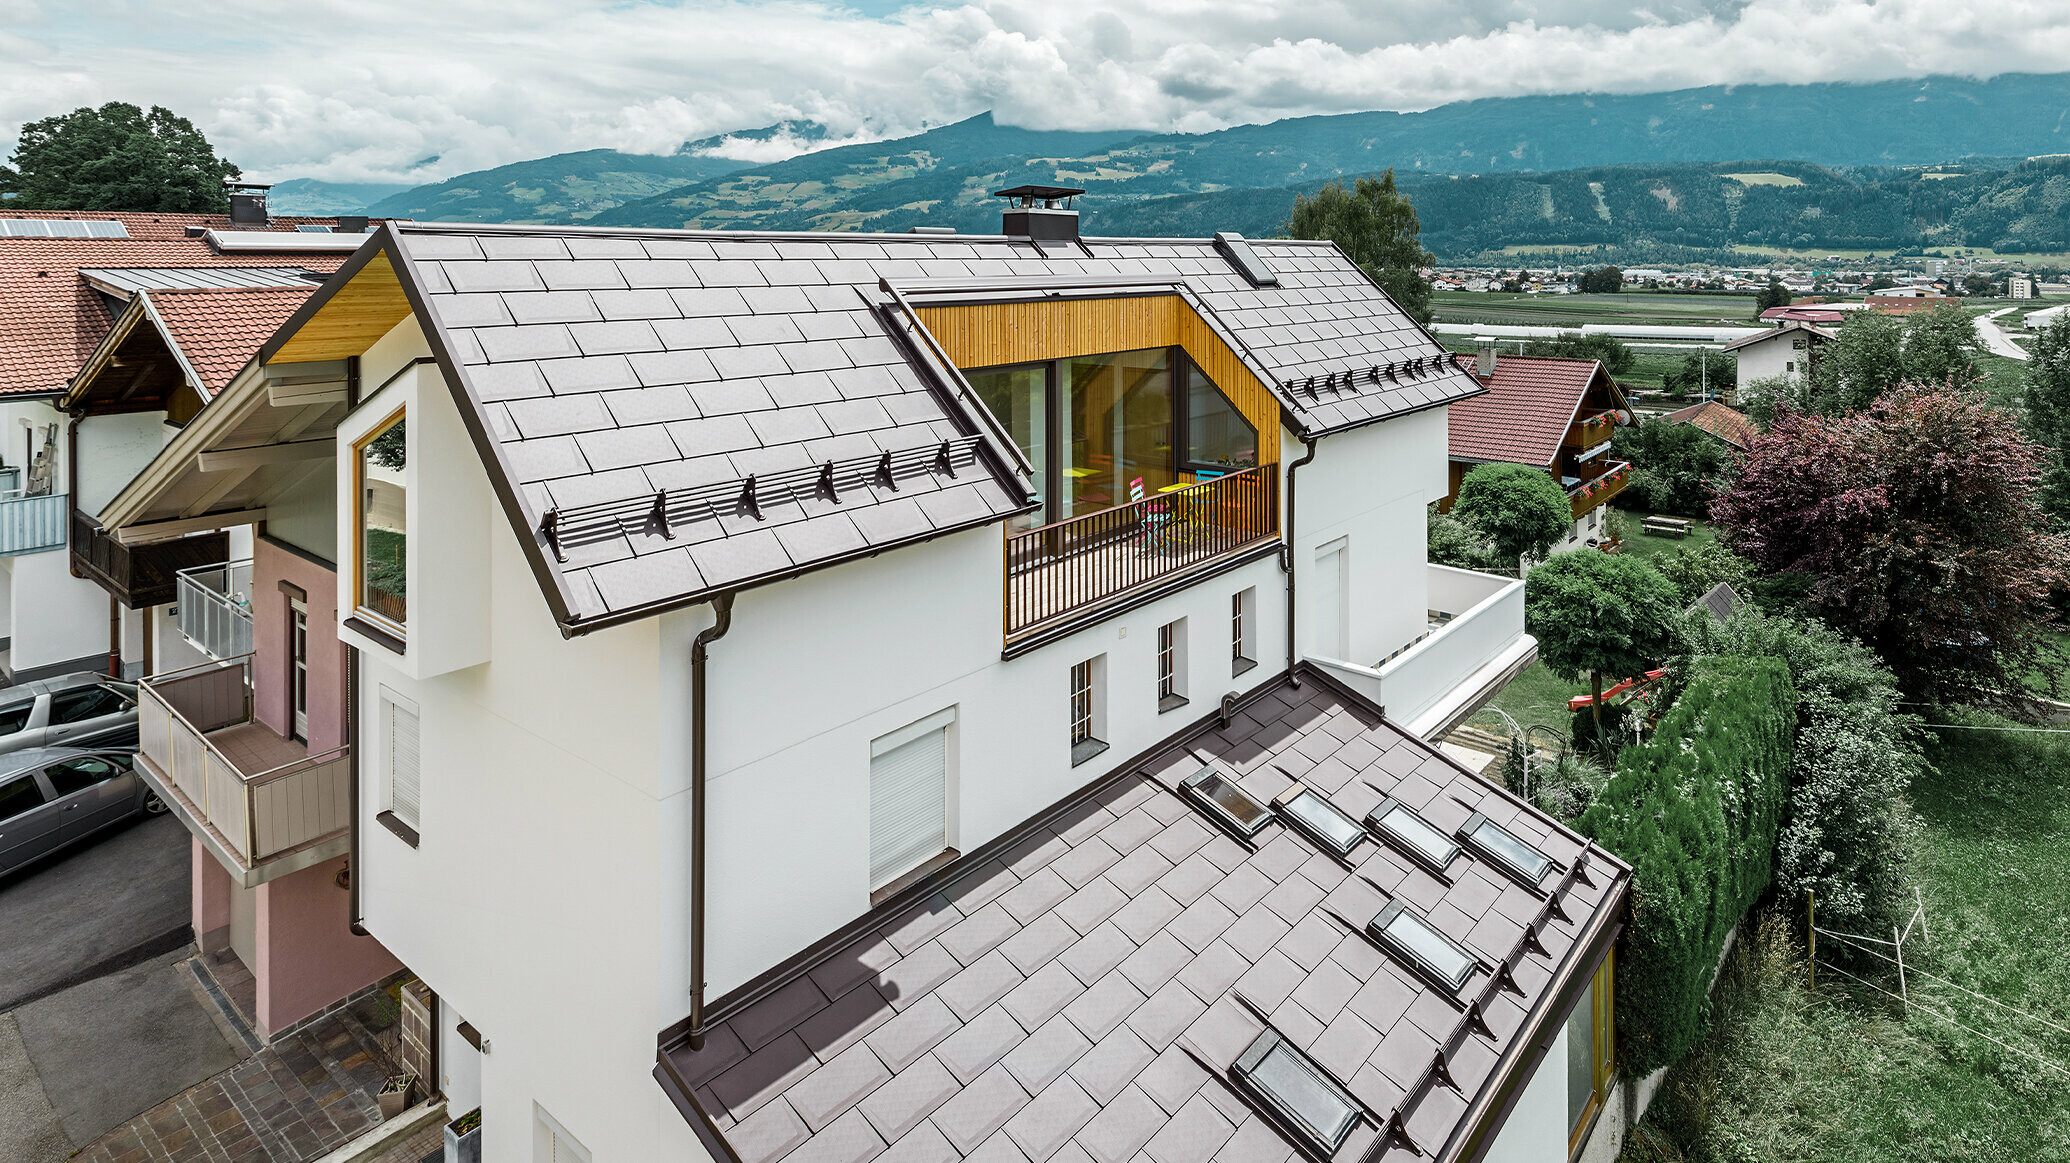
<point x="53" y="320"/>
<point x="218" y="331"/>
<point x="1530" y="402"/>
<point x="1720" y="421"/>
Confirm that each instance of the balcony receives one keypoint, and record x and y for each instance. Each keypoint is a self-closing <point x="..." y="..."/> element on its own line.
<point x="1071" y="568"/>
<point x="1474" y="643"/>
<point x="141" y="575"/>
<point x="262" y="804"/>
<point x="32" y="524"/>
<point x="1597" y="491"/>
<point x="1590" y="431"/>
<point x="215" y="604"/>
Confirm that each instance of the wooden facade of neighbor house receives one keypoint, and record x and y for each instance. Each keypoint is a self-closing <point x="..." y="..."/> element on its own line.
<point x="1549" y="413"/>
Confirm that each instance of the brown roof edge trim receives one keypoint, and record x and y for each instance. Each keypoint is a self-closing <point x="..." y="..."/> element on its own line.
<point x="125" y="324"/>
<point x="792" y="967"/>
<point x="486" y="448"/>
<point x="382" y="240"/>
<point x="678" y="1092"/>
<point x="1371" y="420"/>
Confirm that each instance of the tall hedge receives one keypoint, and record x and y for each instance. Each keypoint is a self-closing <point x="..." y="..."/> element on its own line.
<point x="1695" y="810"/>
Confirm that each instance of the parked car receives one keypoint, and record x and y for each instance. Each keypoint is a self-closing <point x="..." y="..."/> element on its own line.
<point x="72" y="710"/>
<point x="54" y="797"/>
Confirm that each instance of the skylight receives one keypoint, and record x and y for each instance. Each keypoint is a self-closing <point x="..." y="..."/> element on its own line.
<point x="1413" y="834"/>
<point x="1221" y="798"/>
<point x="1408" y="936"/>
<point x="1322" y="820"/>
<point x="1245" y="260"/>
<point x="1288" y="1082"/>
<point x="1503" y="849"/>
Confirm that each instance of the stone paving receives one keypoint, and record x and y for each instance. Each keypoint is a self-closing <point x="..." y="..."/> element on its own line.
<point x="292" y="1101"/>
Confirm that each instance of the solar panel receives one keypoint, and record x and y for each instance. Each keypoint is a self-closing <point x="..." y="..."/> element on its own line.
<point x="67" y="229"/>
<point x="109" y="229"/>
<point x="1246" y="260"/>
<point x="313" y="228"/>
<point x="28" y="228"/>
<point x="61" y="228"/>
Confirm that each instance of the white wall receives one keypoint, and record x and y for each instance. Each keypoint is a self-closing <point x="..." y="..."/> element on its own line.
<point x="57" y="617"/>
<point x="1773" y="357"/>
<point x="112" y="451"/>
<point x="1537" y="1128"/>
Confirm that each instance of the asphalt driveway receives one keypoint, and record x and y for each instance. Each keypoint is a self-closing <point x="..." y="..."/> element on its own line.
<point x="112" y="902"/>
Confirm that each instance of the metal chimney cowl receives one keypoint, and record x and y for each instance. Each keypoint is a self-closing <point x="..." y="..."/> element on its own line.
<point x="248" y="205"/>
<point x="1040" y="213"/>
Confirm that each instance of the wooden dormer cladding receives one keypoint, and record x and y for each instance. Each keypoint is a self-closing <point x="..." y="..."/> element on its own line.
<point x="977" y="335"/>
<point x="348" y="322"/>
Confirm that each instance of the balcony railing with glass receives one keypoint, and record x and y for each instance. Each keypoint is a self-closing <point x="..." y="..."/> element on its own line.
<point x="1061" y="570"/>
<point x="216" y="608"/>
<point x="252" y="795"/>
<point x="31" y="524"/>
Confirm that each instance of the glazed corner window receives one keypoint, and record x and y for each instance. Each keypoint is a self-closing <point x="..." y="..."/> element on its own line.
<point x="380" y="490"/>
<point x="1591" y="1036"/>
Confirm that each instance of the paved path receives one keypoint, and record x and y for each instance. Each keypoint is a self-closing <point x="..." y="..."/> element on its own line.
<point x="1995" y="339"/>
<point x="94" y="908"/>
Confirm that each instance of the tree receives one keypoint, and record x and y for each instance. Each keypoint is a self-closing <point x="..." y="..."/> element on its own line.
<point x="1376" y="227"/>
<point x="1694" y="570"/>
<point x="1864" y="360"/>
<point x="1596" y="614"/>
<point x="1518" y="509"/>
<point x="1702" y="373"/>
<point x="1979" y="286"/>
<point x="1448" y="541"/>
<point x="1674" y="466"/>
<point x="1616" y="356"/>
<point x="1772" y="295"/>
<point x="1941" y="346"/>
<point x="116" y="157"/>
<point x="1603" y="281"/>
<point x="2048" y="416"/>
<point x="1918" y="525"/>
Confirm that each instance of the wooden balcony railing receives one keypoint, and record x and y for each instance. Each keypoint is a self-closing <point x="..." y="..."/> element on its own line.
<point x="1592" y="493"/>
<point x="141" y="575"/>
<point x="1590" y="431"/>
<point x="260" y="796"/>
<point x="1072" y="566"/>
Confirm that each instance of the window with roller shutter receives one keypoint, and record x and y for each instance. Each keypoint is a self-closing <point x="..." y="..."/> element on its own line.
<point x="909" y="797"/>
<point x="404" y="786"/>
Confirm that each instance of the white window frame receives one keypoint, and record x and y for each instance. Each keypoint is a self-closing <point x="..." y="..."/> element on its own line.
<point x="1243" y="630"/>
<point x="548" y="1134"/>
<point x="944" y="722"/>
<point x="412" y="812"/>
<point x="1171" y="665"/>
<point x="1088" y="709"/>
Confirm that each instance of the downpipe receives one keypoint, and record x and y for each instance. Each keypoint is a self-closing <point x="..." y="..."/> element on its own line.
<point x="356" y="923"/>
<point x="1286" y="554"/>
<point x="722" y="608"/>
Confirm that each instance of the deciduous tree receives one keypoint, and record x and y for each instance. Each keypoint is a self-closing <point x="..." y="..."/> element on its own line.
<point x="116" y="157"/>
<point x="1595" y="614"/>
<point x="2048" y="416"/>
<point x="1518" y="509"/>
<point x="1374" y="224"/>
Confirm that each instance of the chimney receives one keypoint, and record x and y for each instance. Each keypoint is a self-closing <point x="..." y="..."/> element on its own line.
<point x="1484" y="356"/>
<point x="248" y="205"/>
<point x="1040" y="213"/>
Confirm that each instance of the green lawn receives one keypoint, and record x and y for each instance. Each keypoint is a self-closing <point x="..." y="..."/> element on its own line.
<point x="1641" y="544"/>
<point x="1846" y="1074"/>
<point x="1535" y="696"/>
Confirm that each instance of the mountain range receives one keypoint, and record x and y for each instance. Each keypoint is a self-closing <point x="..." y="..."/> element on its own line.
<point x="1543" y="164"/>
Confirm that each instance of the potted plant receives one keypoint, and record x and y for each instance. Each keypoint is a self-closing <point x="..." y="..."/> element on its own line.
<point x="394" y="1095"/>
<point x="464" y="1138"/>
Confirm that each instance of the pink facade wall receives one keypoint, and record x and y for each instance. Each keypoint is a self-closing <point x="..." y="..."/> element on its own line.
<point x="308" y="957"/>
<point x="271" y="628"/>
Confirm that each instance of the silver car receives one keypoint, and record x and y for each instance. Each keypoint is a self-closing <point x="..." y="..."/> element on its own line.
<point x="54" y="797"/>
<point x="72" y="710"/>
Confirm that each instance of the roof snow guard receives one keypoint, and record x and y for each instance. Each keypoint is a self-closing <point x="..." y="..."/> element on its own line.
<point x="671" y="414"/>
<point x="1130" y="978"/>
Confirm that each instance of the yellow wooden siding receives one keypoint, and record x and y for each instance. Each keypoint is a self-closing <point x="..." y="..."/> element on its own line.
<point x="362" y="311"/>
<point x="995" y="334"/>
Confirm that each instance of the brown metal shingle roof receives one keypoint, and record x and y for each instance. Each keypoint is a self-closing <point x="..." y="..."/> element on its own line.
<point x="1084" y="993"/>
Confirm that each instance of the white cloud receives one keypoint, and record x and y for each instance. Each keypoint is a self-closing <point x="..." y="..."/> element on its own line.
<point x="367" y="90"/>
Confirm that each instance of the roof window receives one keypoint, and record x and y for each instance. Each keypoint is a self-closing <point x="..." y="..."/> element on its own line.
<point x="1505" y="850"/>
<point x="1221" y="798"/>
<point x="1403" y="932"/>
<point x="1245" y="260"/>
<point x="1323" y="822"/>
<point x="1299" y="1090"/>
<point x="1398" y="823"/>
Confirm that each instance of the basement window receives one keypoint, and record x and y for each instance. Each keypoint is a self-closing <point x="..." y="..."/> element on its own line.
<point x="1221" y="798"/>
<point x="1299" y="1090"/>
<point x="1502" y="848"/>
<point x="1412" y="834"/>
<point x="1322" y="821"/>
<point x="1430" y="953"/>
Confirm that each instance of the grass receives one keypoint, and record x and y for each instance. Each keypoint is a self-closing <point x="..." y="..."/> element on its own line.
<point x="1535" y="696"/>
<point x="1844" y="1073"/>
<point x="1641" y="544"/>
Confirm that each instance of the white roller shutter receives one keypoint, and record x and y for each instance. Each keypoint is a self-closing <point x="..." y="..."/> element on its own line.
<point x="404" y="788"/>
<point x="909" y="797"/>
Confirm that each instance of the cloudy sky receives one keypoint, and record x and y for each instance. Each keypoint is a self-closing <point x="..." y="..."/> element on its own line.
<point x="394" y="90"/>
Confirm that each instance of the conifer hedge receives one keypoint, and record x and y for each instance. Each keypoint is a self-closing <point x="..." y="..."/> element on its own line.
<point x="1695" y="810"/>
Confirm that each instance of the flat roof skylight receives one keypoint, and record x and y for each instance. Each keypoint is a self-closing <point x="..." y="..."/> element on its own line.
<point x="1324" y="822"/>
<point x="1405" y="933"/>
<point x="1290" y="1083"/>
<point x="1413" y="834"/>
<point x="1503" y="849"/>
<point x="1220" y="797"/>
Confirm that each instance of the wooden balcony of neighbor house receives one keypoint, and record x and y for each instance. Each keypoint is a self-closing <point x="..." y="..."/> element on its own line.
<point x="1590" y="431"/>
<point x="262" y="804"/>
<point x="215" y="608"/>
<point x="141" y="575"/>
<point x="31" y="524"/>
<point x="1064" y="570"/>
<point x="1596" y="491"/>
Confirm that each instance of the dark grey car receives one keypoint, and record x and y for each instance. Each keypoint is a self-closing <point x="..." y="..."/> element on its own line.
<point x="54" y="797"/>
<point x="71" y="710"/>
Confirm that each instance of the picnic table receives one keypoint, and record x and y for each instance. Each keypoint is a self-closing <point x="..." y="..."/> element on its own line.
<point x="1661" y="526"/>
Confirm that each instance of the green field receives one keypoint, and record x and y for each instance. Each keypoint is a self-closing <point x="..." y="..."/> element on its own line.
<point x="1650" y="307"/>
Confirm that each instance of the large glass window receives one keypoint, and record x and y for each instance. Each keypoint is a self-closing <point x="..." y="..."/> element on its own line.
<point x="1019" y="398"/>
<point x="1218" y="438"/>
<point x="1591" y="1034"/>
<point x="382" y="457"/>
<point x="1121" y="428"/>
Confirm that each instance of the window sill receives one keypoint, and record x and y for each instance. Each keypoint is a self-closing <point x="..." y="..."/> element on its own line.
<point x="925" y="869"/>
<point x="1170" y="703"/>
<point x="376" y="634"/>
<point x="393" y="823"/>
<point x="1085" y="749"/>
<point x="1240" y="664"/>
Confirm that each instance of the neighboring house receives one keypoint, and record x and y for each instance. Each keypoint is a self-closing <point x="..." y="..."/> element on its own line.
<point x="838" y="703"/>
<point x="1732" y="427"/>
<point x="2018" y="286"/>
<point x="1907" y="301"/>
<point x="1721" y="602"/>
<point x="66" y="283"/>
<point x="1816" y="316"/>
<point x="1548" y="413"/>
<point x="1788" y="352"/>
